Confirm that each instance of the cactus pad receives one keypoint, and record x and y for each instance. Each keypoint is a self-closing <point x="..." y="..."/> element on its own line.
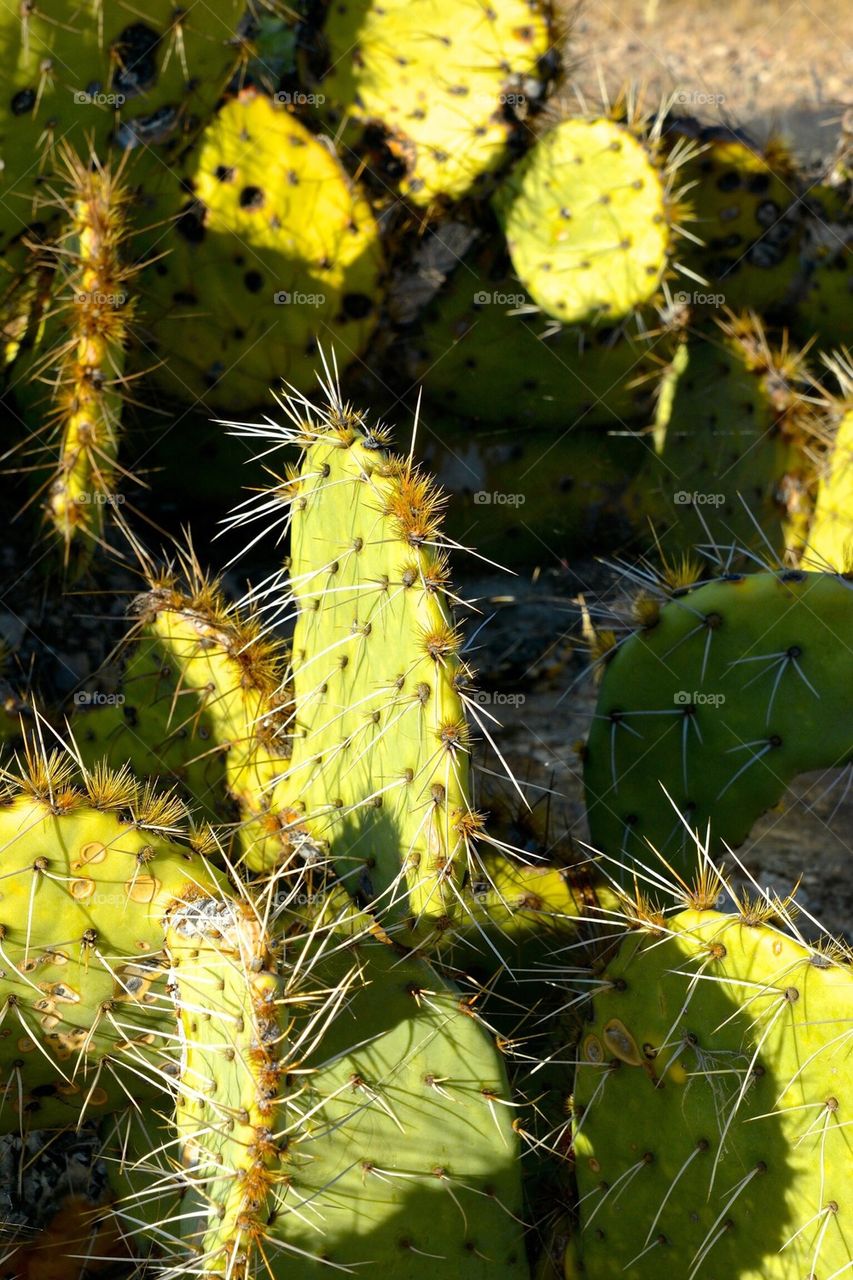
<point x="586" y="216"/>
<point x="274" y="247"/>
<point x="720" y="1043"/>
<point x="728" y="693"/>
<point x="442" y="83"/>
<point x="88" y="875"/>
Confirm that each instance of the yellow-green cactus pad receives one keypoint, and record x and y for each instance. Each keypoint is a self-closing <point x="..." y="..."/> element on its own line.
<point x="711" y="1106"/>
<point x="365" y="1121"/>
<point x="201" y="701"/>
<point x="826" y="285"/>
<point x="88" y="875"/>
<point x="443" y="82"/>
<point x="483" y="352"/>
<point x="730" y="691"/>
<point x="380" y="756"/>
<point x="586" y="218"/>
<point x="271" y="247"/>
<point x="830" y="541"/>
<point x="91" y="74"/>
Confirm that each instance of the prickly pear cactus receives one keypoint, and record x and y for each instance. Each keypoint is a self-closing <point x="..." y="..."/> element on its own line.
<point x="726" y="694"/>
<point x="89" y="872"/>
<point x="272" y="246"/>
<point x="367" y="1091"/>
<point x="747" y="218"/>
<point x="719" y="1042"/>
<point x="733" y="430"/>
<point x="201" y="700"/>
<point x="379" y="769"/>
<point x="91" y="74"/>
<point x="443" y="84"/>
<point x="481" y="351"/>
<point x="587" y="216"/>
<point x="830" y="542"/>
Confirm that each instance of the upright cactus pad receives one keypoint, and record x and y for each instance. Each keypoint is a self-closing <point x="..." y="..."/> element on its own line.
<point x="830" y="541"/>
<point x="89" y="873"/>
<point x="201" y="701"/>
<point x="443" y="84"/>
<point x="272" y="246"/>
<point x="710" y="1105"/>
<point x="379" y="770"/>
<point x="730" y="690"/>
<point x="826" y="266"/>
<point x="372" y="1118"/>
<point x="587" y="217"/>
<point x="733" y="432"/>
<point x="747" y="218"/>
<point x="481" y="355"/>
<point x="91" y="74"/>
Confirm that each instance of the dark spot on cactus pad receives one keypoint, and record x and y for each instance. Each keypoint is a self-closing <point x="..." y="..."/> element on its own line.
<point x="22" y="102"/>
<point x="135" y="53"/>
<point x="767" y="213"/>
<point x="357" y="305"/>
<point x="224" y="173"/>
<point x="729" y="181"/>
<point x="758" y="183"/>
<point x="190" y="222"/>
<point x="254" y="281"/>
<point x="252" y="198"/>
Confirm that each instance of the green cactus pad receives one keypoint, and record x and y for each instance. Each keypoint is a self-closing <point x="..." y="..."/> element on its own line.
<point x="479" y="359"/>
<point x="734" y="420"/>
<point x="586" y="216"/>
<point x="274" y="247"/>
<point x="442" y="83"/>
<point x="380" y="755"/>
<point x="732" y="689"/>
<point x="88" y="876"/>
<point x="826" y="284"/>
<point x="528" y="495"/>
<point x="747" y="215"/>
<point x="200" y="701"/>
<point x="720" y="1044"/>
<point x="89" y="73"/>
<point x="391" y="1144"/>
